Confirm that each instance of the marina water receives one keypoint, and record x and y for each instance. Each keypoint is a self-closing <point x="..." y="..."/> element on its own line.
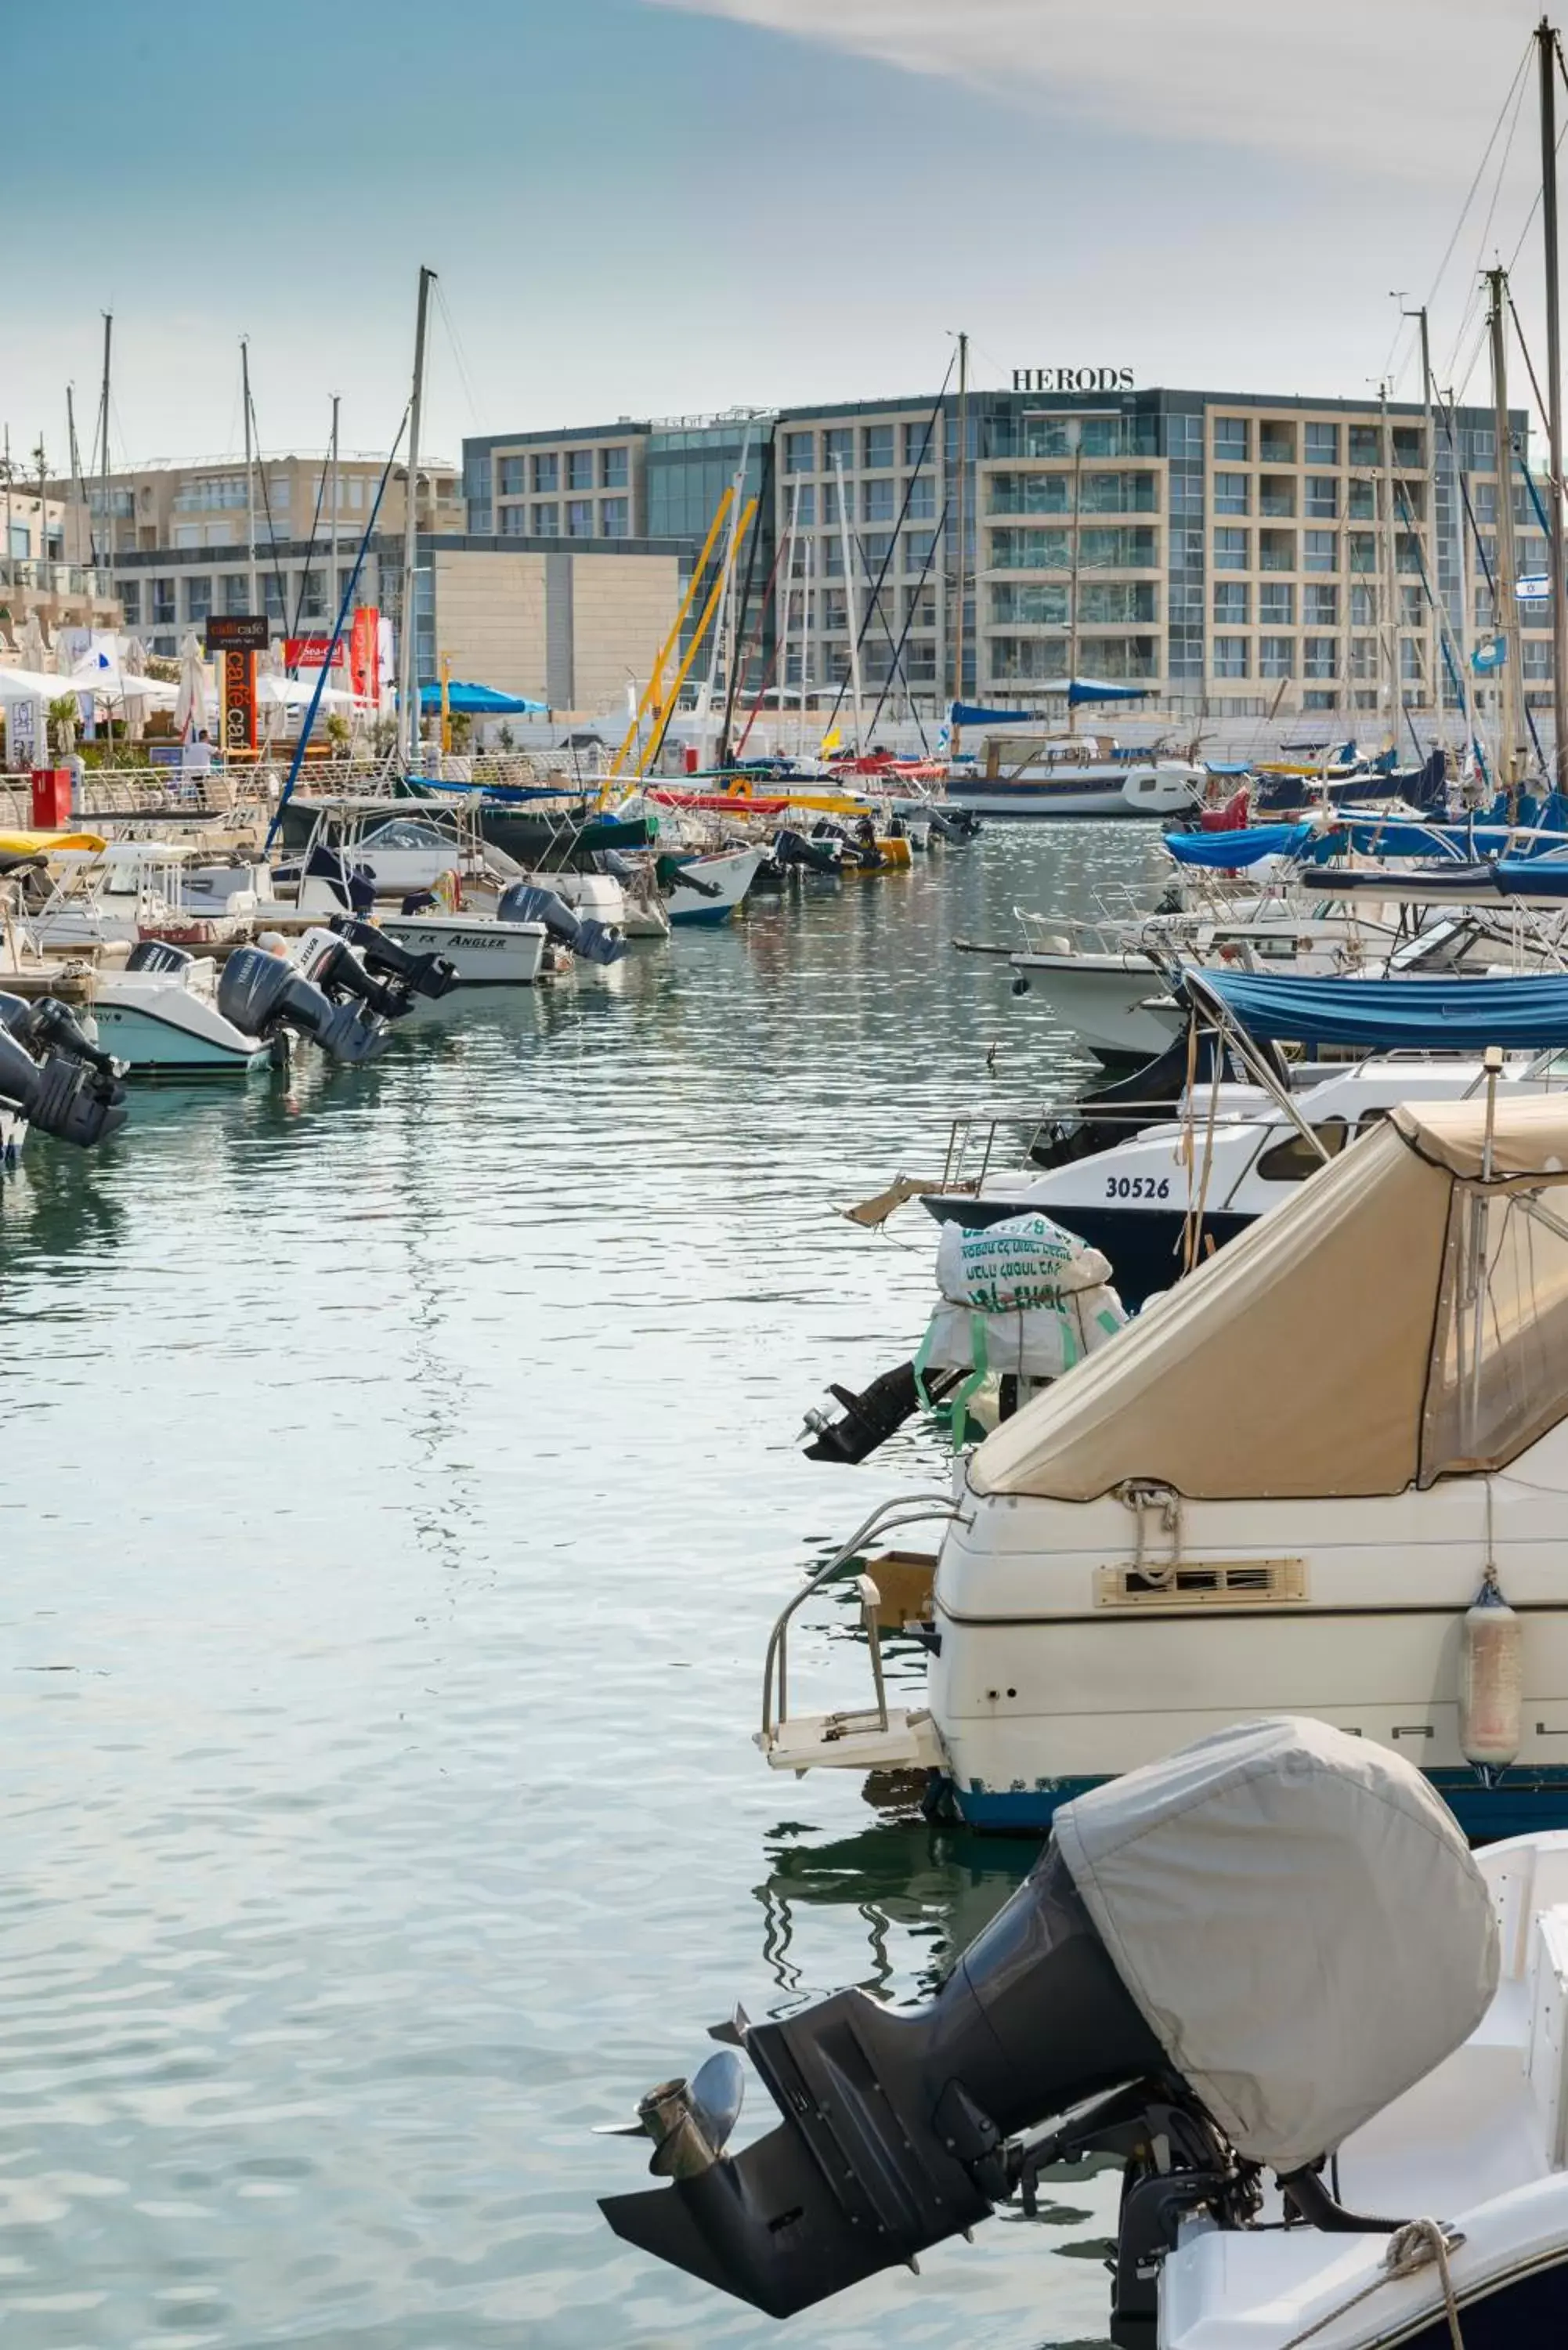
<point x="400" y="1481"/>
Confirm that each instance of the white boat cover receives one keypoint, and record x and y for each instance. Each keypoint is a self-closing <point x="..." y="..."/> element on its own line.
<point x="1297" y="1916"/>
<point x="1329" y="1350"/>
<point x="1038" y="1342"/>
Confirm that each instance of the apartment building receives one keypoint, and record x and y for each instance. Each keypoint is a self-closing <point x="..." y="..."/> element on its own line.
<point x="1235" y="552"/>
<point x="44" y="574"/>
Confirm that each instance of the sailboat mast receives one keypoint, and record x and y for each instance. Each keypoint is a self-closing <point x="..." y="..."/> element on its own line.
<point x="851" y="600"/>
<point x="407" y="705"/>
<point x="1466" y="675"/>
<point x="1075" y="436"/>
<point x="77" y="485"/>
<point x="333" y="591"/>
<point x="250" y="478"/>
<point x="1546" y="51"/>
<point x="1389" y="593"/>
<point x="1505" y="617"/>
<point x="1434" y="638"/>
<point x="103" y="453"/>
<point x="960" y="518"/>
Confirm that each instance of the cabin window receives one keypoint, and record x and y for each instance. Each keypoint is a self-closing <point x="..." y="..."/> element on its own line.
<point x="1496" y="1379"/>
<point x="1293" y="1161"/>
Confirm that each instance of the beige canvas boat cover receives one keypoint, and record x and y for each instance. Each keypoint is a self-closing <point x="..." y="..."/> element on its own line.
<point x="1297" y="1360"/>
<point x="1261" y="1895"/>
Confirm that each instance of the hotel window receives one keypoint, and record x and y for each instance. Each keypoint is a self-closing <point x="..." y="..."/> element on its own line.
<point x="1276" y="657"/>
<point x="919" y="443"/>
<point x="513" y="482"/>
<point x="1230" y="602"/>
<point x="805" y="511"/>
<point x="1361" y="501"/>
<point x="237" y="594"/>
<point x="1483" y="446"/>
<point x="579" y="518"/>
<point x="186" y="534"/>
<point x="830" y="505"/>
<point x="1406" y="551"/>
<point x="129" y="594"/>
<point x="1277" y="604"/>
<point x="1276" y="444"/>
<point x="1409" y="447"/>
<point x="800" y="449"/>
<point x="1321" y="550"/>
<point x="1230" y="493"/>
<point x="1111" y="601"/>
<point x="832" y="551"/>
<point x="1323" y="495"/>
<point x="612" y="518"/>
<point x="1231" y="657"/>
<point x="198" y="599"/>
<point x="163" y="612"/>
<point x="919" y="546"/>
<point x="1034" y="604"/>
<point x="612" y="469"/>
<point x="1363" y="608"/>
<point x="922" y="490"/>
<point x="1320" y="606"/>
<point x="1413" y="608"/>
<point x="875" y="548"/>
<point x="1537" y="652"/>
<point x="877" y="500"/>
<point x="1276" y="550"/>
<point x="876" y="446"/>
<point x="837" y="443"/>
<point x="579" y="469"/>
<point x="1230" y="439"/>
<point x="1366" y="444"/>
<point x="1321" y="656"/>
<point x="1232" y="550"/>
<point x="546" y="475"/>
<point x="835" y="609"/>
<point x="546" y="521"/>
<point x="513" y="524"/>
<point x="273" y="598"/>
<point x="313" y="596"/>
<point x="1322" y="444"/>
<point x="920" y="661"/>
<point x="1276" y="495"/>
<point x="920" y="607"/>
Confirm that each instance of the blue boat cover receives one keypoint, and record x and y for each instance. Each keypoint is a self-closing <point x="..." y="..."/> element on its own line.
<point x="976" y="714"/>
<point x="1224" y="851"/>
<point x="1536" y="877"/>
<point x="1451" y="1016"/>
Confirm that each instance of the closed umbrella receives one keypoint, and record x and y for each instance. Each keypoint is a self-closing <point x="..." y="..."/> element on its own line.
<point x="191" y="716"/>
<point x="133" y="665"/>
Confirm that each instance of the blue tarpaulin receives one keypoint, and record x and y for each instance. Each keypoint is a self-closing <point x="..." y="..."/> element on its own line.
<point x="1453" y="1015"/>
<point x="466" y="700"/>
<point x="1225" y="851"/>
<point x="1095" y="688"/>
<point x="1082" y="689"/>
<point x="976" y="714"/>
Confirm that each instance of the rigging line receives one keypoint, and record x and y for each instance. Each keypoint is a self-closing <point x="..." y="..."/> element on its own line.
<point x="1475" y="183"/>
<point x="740" y="644"/>
<point x="1528" y="365"/>
<point x="266" y="510"/>
<point x="850" y="585"/>
<point x="1496" y="193"/>
<point x="459" y="356"/>
<point x="908" y="624"/>
<point x="309" y="556"/>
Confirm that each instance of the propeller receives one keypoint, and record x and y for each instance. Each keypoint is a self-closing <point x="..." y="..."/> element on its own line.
<point x="689" y="2122"/>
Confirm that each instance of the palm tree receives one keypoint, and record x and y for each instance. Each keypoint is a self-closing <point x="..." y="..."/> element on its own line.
<point x="63" y="715"/>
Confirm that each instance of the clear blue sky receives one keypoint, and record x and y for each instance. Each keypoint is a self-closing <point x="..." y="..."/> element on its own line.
<point x="652" y="206"/>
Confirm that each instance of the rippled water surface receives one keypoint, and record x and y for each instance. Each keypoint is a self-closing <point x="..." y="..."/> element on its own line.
<point x="399" y="1480"/>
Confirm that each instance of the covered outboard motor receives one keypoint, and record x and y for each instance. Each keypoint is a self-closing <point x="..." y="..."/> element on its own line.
<point x="262" y="993"/>
<point x="620" y="868"/>
<point x="55" y="1076"/>
<point x="595" y="941"/>
<point x="419" y="975"/>
<point x="157" y="954"/>
<point x="815" y="856"/>
<point x="1222" y="2020"/>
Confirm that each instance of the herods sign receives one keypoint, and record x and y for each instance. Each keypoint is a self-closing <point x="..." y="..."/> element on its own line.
<point x="1072" y="379"/>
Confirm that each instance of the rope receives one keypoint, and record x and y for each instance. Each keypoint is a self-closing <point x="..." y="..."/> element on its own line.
<point x="1416" y="2246"/>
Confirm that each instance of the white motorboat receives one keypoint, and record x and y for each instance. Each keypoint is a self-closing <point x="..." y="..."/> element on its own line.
<point x="1284" y="1484"/>
<point x="157" y="1013"/>
<point x="485" y="951"/>
<point x="133" y="889"/>
<point x="1054" y="783"/>
<point x="1170" y="1194"/>
<point x="708" y="889"/>
<point x="1327" y="2045"/>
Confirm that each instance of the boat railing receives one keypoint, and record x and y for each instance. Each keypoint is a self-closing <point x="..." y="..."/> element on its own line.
<point x="888" y="1517"/>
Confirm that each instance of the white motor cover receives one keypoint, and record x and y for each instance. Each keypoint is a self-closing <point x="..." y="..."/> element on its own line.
<point x="1038" y="1342"/>
<point x="1021" y="1262"/>
<point x="1298" y="1916"/>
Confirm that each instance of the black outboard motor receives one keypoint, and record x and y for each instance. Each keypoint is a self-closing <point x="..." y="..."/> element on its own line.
<point x="262" y="993"/>
<point x="595" y="941"/>
<point x="56" y="1077"/>
<point x="1139" y="1933"/>
<point x="157" y="954"/>
<point x="418" y="974"/>
<point x="815" y="856"/>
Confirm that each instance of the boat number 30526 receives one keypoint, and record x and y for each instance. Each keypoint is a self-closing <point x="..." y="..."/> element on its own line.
<point x="1137" y="1187"/>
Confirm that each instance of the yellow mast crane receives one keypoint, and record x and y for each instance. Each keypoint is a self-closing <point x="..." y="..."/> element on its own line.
<point x="651" y="695"/>
<point x="656" y="740"/>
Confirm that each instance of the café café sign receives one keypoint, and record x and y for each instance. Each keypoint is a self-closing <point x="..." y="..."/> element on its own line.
<point x="1072" y="379"/>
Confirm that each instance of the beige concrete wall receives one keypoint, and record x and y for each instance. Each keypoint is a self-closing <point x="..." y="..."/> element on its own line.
<point x="490" y="619"/>
<point x="623" y="607"/>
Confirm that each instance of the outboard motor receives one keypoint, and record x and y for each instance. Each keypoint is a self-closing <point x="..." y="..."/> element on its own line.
<point x="815" y="856"/>
<point x="56" y="1077"/>
<point x="595" y="941"/>
<point x="157" y="954"/>
<point x="262" y="993"/>
<point x="1136" y="1934"/>
<point x="418" y="974"/>
<point x="620" y="868"/>
<point x="333" y="966"/>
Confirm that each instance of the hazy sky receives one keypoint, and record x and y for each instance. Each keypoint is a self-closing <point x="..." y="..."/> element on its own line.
<point x="655" y="206"/>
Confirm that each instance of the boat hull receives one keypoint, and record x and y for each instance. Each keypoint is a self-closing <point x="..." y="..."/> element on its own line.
<point x="731" y="874"/>
<point x="176" y="1039"/>
<point x="1109" y="1002"/>
<point x="484" y="953"/>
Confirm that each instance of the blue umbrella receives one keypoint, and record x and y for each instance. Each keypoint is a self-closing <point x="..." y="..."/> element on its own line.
<point x="480" y="700"/>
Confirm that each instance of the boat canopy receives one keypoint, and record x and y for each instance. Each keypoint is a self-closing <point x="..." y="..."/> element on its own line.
<point x="1426" y="1016"/>
<point x="467" y="700"/>
<point x="1248" y="844"/>
<point x="1287" y="1869"/>
<point x="1335" y="1347"/>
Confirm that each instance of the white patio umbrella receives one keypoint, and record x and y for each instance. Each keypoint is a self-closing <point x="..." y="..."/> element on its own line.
<point x="31" y="650"/>
<point x="133" y="665"/>
<point x="191" y="713"/>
